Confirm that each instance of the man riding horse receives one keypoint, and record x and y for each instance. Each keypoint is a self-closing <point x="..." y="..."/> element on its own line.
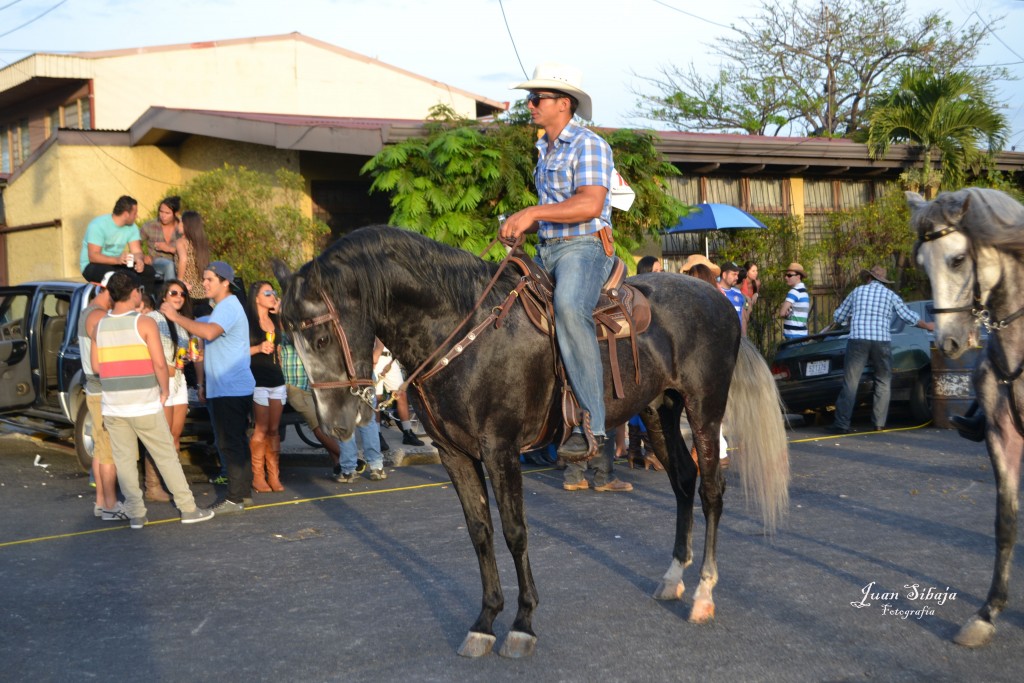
<point x="573" y="178"/>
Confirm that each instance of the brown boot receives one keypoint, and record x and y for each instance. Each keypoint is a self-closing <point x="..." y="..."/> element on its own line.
<point x="154" y="489"/>
<point x="258" y="449"/>
<point x="274" y="463"/>
<point x="634" y="456"/>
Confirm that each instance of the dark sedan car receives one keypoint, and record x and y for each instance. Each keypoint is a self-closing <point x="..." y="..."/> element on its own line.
<point x="809" y="371"/>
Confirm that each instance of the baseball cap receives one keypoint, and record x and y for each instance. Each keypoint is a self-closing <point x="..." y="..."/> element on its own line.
<point x="222" y="270"/>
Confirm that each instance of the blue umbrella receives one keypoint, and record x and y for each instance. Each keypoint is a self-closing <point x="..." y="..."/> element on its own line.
<point x="715" y="217"/>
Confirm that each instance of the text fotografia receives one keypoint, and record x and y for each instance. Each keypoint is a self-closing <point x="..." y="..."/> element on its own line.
<point x="913" y="592"/>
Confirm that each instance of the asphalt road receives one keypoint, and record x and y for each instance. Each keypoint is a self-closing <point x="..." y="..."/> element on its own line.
<point x="377" y="581"/>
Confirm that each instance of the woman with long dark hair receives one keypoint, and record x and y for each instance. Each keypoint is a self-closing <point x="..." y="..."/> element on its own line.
<point x="174" y="340"/>
<point x="161" y="237"/>
<point x="270" y="395"/>
<point x="193" y="256"/>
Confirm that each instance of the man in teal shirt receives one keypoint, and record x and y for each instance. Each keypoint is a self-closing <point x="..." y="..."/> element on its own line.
<point x="112" y="242"/>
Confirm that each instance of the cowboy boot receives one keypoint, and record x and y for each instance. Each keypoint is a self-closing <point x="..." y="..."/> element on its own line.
<point x="258" y="449"/>
<point x="274" y="463"/>
<point x="154" y="489"/>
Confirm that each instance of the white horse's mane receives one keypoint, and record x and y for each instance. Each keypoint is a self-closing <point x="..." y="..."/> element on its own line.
<point x="991" y="217"/>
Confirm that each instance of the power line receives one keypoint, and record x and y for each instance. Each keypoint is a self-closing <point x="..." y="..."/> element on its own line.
<point x="690" y="14"/>
<point x="32" y="21"/>
<point x="10" y="4"/>
<point x="511" y="39"/>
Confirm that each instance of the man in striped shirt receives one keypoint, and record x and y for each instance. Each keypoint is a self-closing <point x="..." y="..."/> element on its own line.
<point x="797" y="305"/>
<point x="129" y="359"/>
<point x="870" y="308"/>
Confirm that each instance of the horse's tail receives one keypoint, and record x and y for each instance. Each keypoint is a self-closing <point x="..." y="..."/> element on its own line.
<point x="755" y="427"/>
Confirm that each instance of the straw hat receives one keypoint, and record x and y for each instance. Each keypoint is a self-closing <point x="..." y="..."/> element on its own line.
<point x="694" y="259"/>
<point x="795" y="267"/>
<point x="877" y="272"/>
<point x="563" y="78"/>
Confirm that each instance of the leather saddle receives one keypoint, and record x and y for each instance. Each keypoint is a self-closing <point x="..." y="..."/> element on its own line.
<point x="622" y="312"/>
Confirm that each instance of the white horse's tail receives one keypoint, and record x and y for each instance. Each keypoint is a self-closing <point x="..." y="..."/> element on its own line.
<point x="755" y="427"/>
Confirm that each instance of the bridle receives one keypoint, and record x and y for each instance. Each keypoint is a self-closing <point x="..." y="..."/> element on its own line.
<point x="366" y="393"/>
<point x="977" y="308"/>
<point x="983" y="317"/>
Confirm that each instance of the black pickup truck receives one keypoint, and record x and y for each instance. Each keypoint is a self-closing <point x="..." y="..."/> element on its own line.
<point x="41" y="388"/>
<point x="41" y="382"/>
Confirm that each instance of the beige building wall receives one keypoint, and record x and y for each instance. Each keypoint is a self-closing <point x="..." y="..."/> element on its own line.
<point x="76" y="183"/>
<point x="279" y="75"/>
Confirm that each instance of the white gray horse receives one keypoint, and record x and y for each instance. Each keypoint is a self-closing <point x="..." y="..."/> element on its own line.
<point x="971" y="244"/>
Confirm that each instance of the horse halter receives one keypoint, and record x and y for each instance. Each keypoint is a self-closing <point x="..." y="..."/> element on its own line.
<point x="978" y="310"/>
<point x="366" y="394"/>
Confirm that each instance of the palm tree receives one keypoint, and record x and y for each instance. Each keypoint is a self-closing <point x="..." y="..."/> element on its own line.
<point x="950" y="113"/>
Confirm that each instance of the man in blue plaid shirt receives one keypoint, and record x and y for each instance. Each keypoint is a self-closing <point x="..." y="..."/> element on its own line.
<point x="573" y="178"/>
<point x="870" y="308"/>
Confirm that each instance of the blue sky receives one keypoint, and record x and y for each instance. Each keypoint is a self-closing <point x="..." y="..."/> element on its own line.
<point x="466" y="43"/>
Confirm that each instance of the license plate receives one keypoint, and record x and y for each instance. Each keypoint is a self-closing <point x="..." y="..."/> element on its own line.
<point x="817" y="367"/>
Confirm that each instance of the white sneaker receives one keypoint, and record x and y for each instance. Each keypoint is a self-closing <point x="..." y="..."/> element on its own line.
<point x="117" y="514"/>
<point x="197" y="515"/>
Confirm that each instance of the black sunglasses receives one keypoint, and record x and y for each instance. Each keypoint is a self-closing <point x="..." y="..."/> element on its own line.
<point x="175" y="292"/>
<point x="534" y="98"/>
<point x="791" y="274"/>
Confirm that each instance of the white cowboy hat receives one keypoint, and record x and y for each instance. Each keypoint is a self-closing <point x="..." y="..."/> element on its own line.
<point x="563" y="78"/>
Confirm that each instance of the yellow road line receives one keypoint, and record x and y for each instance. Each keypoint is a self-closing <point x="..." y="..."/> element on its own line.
<point x="351" y="494"/>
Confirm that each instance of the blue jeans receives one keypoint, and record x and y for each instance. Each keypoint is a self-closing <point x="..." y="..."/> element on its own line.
<point x="858" y="352"/>
<point x="579" y="267"/>
<point x="164" y="267"/>
<point x="369" y="434"/>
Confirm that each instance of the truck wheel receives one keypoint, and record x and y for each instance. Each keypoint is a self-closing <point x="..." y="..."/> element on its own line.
<point x="83" y="437"/>
<point x="920" y="398"/>
<point x="307" y="437"/>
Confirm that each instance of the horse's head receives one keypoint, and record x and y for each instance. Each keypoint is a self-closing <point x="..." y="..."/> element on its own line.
<point x="335" y="342"/>
<point x="946" y="253"/>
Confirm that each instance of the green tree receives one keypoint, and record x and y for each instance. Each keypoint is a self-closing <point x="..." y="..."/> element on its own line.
<point x="772" y="250"/>
<point x="874" y="233"/>
<point x="253" y="217"/>
<point x="810" y="66"/>
<point x="950" y="114"/>
<point x="453" y="183"/>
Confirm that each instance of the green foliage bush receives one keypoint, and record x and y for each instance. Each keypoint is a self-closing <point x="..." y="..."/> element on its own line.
<point x="452" y="184"/>
<point x="253" y="217"/>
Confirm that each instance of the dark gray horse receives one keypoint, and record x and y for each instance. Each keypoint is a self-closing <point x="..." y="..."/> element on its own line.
<point x="971" y="244"/>
<point x="498" y="393"/>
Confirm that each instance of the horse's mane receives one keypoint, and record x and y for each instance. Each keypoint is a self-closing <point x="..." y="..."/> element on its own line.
<point x="379" y="260"/>
<point x="992" y="217"/>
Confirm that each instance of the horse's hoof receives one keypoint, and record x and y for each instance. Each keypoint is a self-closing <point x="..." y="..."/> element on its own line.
<point x="477" y="645"/>
<point x="518" y="644"/>
<point x="703" y="611"/>
<point x="672" y="590"/>
<point x="975" y="633"/>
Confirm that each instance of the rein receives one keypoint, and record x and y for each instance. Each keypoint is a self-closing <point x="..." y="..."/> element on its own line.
<point x="983" y="316"/>
<point x="366" y="394"/>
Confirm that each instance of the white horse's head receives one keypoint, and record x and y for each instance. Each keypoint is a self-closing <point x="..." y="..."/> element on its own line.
<point x="961" y="269"/>
<point x="945" y="254"/>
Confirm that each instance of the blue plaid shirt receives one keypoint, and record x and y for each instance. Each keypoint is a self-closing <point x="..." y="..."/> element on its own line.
<point x="871" y="307"/>
<point x="579" y="158"/>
